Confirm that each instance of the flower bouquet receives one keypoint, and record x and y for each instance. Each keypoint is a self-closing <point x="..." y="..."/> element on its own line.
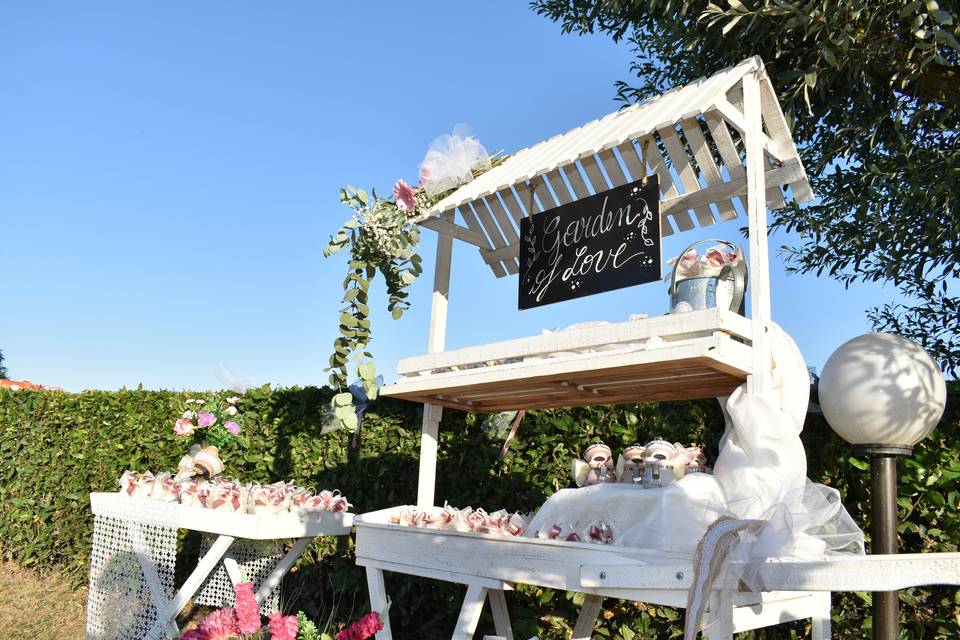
<point x="210" y="423"/>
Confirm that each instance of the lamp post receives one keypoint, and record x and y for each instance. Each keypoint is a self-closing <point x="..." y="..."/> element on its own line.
<point x="882" y="394"/>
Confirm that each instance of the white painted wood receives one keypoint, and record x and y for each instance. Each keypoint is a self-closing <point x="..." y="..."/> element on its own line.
<point x="470" y="612"/>
<point x="282" y="567"/>
<point x="583" y="629"/>
<point x="239" y="525"/>
<point x="434" y="574"/>
<point x="637" y="172"/>
<point x="205" y="566"/>
<point x="717" y="349"/>
<point x="233" y="569"/>
<point x="501" y="617"/>
<point x="669" y="327"/>
<point x="612" y="166"/>
<point x="492" y="230"/>
<point x="820" y="620"/>
<point x="378" y="601"/>
<point x="445" y="227"/>
<point x="574" y="177"/>
<point x="719" y="621"/>
<point x="725" y="190"/>
<point x="506" y="224"/>
<point x="560" y="189"/>
<point x="430" y="427"/>
<point x="594" y="175"/>
<point x="738" y="120"/>
<point x="777" y="126"/>
<point x="836" y="573"/>
<point x="761" y="380"/>
<point x="708" y="168"/>
<point x="773" y="611"/>
<point x="688" y="178"/>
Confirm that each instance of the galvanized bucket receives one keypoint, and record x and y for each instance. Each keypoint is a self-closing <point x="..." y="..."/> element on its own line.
<point x="701" y="292"/>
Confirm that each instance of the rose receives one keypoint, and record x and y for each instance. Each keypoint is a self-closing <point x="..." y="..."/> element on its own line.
<point x="206" y="419"/>
<point x="231" y="410"/>
<point x="183" y="427"/>
<point x="232" y="427"/>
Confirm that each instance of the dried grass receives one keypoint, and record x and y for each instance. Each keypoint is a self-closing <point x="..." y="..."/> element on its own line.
<point x="34" y="607"/>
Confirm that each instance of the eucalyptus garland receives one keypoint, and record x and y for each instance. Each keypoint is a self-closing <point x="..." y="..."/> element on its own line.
<point x="382" y="237"/>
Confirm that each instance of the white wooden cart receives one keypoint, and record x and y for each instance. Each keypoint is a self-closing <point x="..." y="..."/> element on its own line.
<point x="135" y="520"/>
<point x="694" y="355"/>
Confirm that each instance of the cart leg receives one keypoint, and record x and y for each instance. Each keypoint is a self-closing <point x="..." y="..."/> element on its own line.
<point x="378" y="600"/>
<point x="470" y="612"/>
<point x="720" y="621"/>
<point x="501" y="618"/>
<point x="821" y="619"/>
<point x="282" y="567"/>
<point x="587" y="618"/>
<point x="205" y="567"/>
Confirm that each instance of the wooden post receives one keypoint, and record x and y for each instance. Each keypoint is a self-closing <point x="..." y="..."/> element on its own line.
<point x="430" y="429"/>
<point x="760" y="381"/>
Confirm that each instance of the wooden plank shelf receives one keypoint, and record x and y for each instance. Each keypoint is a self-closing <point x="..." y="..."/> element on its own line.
<point x="700" y="354"/>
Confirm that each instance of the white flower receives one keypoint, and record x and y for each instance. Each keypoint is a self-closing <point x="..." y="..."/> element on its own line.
<point x="233" y="399"/>
<point x="189" y="415"/>
<point x="231" y="410"/>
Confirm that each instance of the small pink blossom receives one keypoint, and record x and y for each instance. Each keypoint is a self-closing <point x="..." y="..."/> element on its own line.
<point x="405" y="195"/>
<point x="220" y="625"/>
<point x="363" y="628"/>
<point x="193" y="634"/>
<point x="248" y="611"/>
<point x="206" y="419"/>
<point x="232" y="427"/>
<point x="183" y="427"/>
<point x="283" y="627"/>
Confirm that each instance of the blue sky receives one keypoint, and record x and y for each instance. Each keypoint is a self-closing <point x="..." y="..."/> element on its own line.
<point x="169" y="176"/>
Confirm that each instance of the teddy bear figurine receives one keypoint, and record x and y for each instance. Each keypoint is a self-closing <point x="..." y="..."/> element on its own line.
<point x="630" y="465"/>
<point x="596" y="467"/>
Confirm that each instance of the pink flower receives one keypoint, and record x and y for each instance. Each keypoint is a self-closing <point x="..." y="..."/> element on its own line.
<point x="206" y="419"/>
<point x="283" y="627"/>
<point x="193" y="634"/>
<point x="220" y="625"/>
<point x="232" y="427"/>
<point x="183" y="427"/>
<point x="404" y="194"/>
<point x="363" y="628"/>
<point x="248" y="612"/>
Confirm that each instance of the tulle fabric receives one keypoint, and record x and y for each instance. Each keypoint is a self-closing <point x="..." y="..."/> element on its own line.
<point x="451" y="160"/>
<point x="760" y="474"/>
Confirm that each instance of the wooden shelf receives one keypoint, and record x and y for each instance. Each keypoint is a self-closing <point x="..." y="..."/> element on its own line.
<point x="700" y="354"/>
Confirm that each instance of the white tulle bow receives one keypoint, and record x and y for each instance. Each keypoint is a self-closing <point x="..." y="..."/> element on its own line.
<point x="451" y="160"/>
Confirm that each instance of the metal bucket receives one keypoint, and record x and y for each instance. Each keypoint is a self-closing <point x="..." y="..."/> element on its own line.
<point x="704" y="292"/>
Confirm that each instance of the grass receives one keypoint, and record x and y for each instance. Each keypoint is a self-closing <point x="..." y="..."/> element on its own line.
<point x="36" y="607"/>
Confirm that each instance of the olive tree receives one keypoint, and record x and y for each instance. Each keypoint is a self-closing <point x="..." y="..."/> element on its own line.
<point x="871" y="89"/>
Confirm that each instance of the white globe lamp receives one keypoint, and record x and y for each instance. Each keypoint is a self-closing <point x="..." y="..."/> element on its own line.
<point x="883" y="394"/>
<point x="881" y="391"/>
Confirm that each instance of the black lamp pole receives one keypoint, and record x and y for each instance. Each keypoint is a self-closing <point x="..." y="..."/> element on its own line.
<point x="883" y="534"/>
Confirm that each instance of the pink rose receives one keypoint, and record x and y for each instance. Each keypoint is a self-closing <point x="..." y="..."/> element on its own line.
<point x="232" y="427"/>
<point x="405" y="195"/>
<point x="183" y="427"/>
<point x="206" y="419"/>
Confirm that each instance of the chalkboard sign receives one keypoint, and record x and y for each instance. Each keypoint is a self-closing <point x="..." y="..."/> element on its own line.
<point x="607" y="241"/>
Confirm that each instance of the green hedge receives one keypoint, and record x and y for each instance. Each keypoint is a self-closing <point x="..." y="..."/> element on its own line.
<point x="55" y="448"/>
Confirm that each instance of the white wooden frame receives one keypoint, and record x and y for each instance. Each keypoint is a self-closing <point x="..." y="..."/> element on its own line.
<point x="738" y="101"/>
<point x="229" y="527"/>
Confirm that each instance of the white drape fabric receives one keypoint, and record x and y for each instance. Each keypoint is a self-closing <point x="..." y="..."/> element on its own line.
<point x="759" y="474"/>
